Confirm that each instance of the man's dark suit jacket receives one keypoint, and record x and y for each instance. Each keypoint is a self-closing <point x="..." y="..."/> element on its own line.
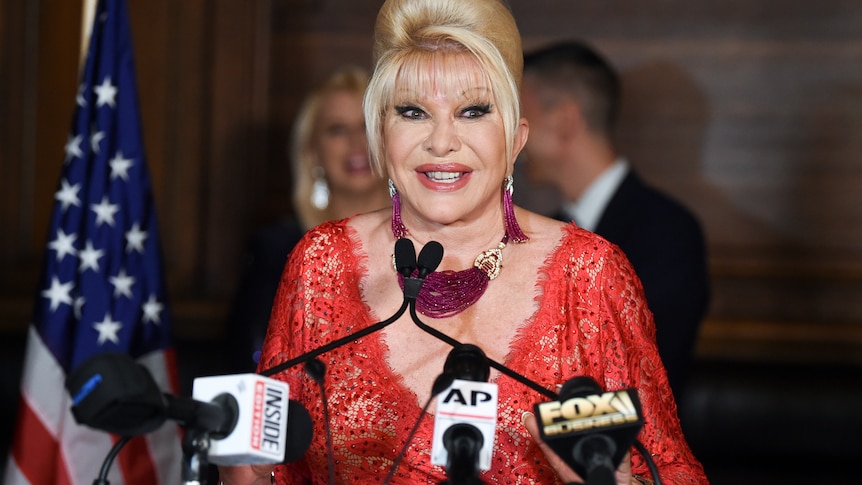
<point x="665" y="244"/>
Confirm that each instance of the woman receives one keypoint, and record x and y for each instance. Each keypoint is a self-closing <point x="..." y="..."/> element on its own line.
<point x="333" y="179"/>
<point x="443" y="120"/>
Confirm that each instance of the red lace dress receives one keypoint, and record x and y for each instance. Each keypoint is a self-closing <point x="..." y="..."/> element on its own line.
<point x="591" y="320"/>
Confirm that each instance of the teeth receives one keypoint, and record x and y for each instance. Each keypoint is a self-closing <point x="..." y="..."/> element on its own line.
<point x="444" y="177"/>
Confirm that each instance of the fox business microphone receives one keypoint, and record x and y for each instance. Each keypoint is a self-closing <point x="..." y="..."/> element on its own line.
<point x="589" y="429"/>
<point x="248" y="418"/>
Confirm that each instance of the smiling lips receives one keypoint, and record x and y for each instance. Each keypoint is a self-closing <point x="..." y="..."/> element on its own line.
<point x="444" y="177"/>
<point x="358" y="163"/>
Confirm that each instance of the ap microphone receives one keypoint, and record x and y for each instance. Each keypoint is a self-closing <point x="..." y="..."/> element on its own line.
<point x="589" y="429"/>
<point x="466" y="417"/>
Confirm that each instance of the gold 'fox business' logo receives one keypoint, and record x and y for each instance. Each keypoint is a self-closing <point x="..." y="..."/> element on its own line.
<point x="580" y="413"/>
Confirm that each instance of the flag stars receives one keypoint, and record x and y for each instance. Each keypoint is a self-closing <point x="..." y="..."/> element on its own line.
<point x="120" y="166"/>
<point x="106" y="93"/>
<point x="73" y="147"/>
<point x="89" y="258"/>
<point x="78" y="306"/>
<point x="105" y="211"/>
<point x="58" y="293"/>
<point x="79" y="98"/>
<point x="135" y="238"/>
<point x="68" y="195"/>
<point x="64" y="244"/>
<point x="152" y="310"/>
<point x="108" y="329"/>
<point x="122" y="284"/>
<point x="95" y="139"/>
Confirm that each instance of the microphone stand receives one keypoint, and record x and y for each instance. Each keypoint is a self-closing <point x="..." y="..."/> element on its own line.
<point x="405" y="263"/>
<point x="336" y="343"/>
<point x="102" y="479"/>
<point x="195" y="452"/>
<point x="500" y="367"/>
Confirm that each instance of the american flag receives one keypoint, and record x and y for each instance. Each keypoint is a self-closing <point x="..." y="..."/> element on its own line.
<point x="101" y="288"/>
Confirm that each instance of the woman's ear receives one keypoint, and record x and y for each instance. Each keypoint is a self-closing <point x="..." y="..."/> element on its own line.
<point x="569" y="119"/>
<point x="522" y="132"/>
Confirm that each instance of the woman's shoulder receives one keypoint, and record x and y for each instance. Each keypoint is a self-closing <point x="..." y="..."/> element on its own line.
<point x="582" y="248"/>
<point x="347" y="235"/>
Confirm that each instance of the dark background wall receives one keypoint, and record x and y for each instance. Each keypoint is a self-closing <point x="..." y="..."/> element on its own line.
<point x="748" y="111"/>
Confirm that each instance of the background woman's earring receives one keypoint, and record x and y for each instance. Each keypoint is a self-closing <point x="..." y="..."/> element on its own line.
<point x="319" y="190"/>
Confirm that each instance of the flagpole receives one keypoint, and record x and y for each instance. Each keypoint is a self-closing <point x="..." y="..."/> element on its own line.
<point x="88" y="10"/>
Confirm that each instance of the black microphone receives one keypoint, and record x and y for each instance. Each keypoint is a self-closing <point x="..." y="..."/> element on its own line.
<point x="405" y="257"/>
<point x="429" y="258"/>
<point x="589" y="429"/>
<point x="111" y="392"/>
<point x="466" y="417"/>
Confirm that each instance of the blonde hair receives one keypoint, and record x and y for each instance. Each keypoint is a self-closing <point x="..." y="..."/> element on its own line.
<point x="408" y="32"/>
<point x="351" y="79"/>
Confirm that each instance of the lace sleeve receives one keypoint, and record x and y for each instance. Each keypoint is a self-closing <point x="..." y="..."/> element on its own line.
<point x="631" y="360"/>
<point x="301" y="318"/>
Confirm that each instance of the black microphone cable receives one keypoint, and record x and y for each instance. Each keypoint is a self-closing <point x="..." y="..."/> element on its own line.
<point x="102" y="479"/>
<point x="442" y="383"/>
<point x="496" y="365"/>
<point x="405" y="263"/>
<point x="317" y="371"/>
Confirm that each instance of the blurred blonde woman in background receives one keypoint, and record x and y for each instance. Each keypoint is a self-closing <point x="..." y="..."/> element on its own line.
<point x="332" y="178"/>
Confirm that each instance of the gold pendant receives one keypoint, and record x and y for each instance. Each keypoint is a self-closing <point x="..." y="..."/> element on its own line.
<point x="490" y="261"/>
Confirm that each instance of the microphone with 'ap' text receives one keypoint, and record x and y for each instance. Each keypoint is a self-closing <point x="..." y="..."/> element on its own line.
<point x="589" y="429"/>
<point x="466" y="417"/>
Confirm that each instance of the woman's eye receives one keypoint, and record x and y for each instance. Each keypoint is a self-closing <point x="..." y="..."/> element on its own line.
<point x="336" y="130"/>
<point x="476" y="111"/>
<point x="410" y="112"/>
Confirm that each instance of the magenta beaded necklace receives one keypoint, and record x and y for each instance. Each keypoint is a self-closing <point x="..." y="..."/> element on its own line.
<point x="447" y="293"/>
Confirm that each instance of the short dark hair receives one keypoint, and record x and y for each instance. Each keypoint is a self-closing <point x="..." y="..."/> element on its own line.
<point x="575" y="69"/>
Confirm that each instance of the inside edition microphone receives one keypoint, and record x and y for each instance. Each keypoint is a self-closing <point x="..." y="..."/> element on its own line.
<point x="244" y="416"/>
<point x="466" y="417"/>
<point x="589" y="429"/>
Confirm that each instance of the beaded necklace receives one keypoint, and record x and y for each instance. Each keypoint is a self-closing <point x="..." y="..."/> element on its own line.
<point x="447" y="293"/>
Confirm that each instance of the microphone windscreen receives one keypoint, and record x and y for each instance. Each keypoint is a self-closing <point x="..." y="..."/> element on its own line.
<point x="405" y="257"/>
<point x="111" y="392"/>
<point x="430" y="257"/>
<point x="467" y="362"/>
<point x="299" y="431"/>
<point x="579" y="386"/>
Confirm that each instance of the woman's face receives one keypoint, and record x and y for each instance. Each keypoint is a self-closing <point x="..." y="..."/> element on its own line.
<point x="340" y="144"/>
<point x="444" y="143"/>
